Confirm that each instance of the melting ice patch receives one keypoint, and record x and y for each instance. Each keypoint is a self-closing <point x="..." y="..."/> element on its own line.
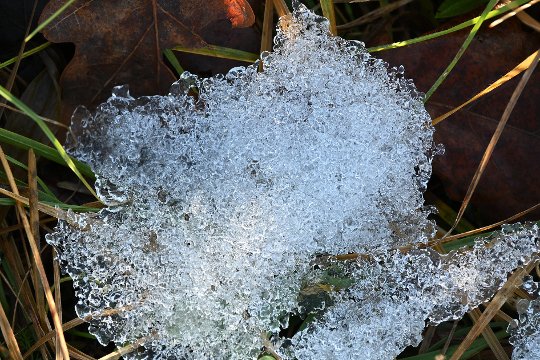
<point x="222" y="211"/>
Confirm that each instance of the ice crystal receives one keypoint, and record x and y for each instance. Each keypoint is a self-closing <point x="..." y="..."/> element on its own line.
<point x="222" y="211"/>
<point x="525" y="331"/>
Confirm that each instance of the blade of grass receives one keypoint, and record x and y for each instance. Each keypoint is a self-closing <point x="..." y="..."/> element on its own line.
<point x="17" y="274"/>
<point x="37" y="259"/>
<point x="498" y="301"/>
<point x="374" y="15"/>
<point x="49" y="20"/>
<point x="173" y="61"/>
<point x="281" y="8"/>
<point x="267" y="28"/>
<point x="504" y="9"/>
<point x="51" y="334"/>
<point x="21" y="184"/>
<point x="328" y="11"/>
<point x="44" y="208"/>
<point x="25" y="54"/>
<point x="18" y="227"/>
<point x="461" y="50"/>
<point x="124" y="350"/>
<point x="9" y="336"/>
<point x="494" y="139"/>
<point x="34" y="227"/>
<point x="477" y="346"/>
<point x="490" y="337"/>
<point x="525" y="64"/>
<point x="450" y="238"/>
<point x="74" y="323"/>
<point x="78" y="355"/>
<point x="220" y="52"/>
<point x="40" y="182"/>
<point x="57" y="299"/>
<point x="22" y="142"/>
<point x="59" y="148"/>
<point x="515" y="12"/>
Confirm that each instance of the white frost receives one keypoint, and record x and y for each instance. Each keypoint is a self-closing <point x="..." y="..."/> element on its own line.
<point x="221" y="211"/>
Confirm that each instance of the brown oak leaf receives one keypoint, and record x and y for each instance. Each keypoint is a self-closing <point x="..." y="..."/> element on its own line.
<point x="121" y="42"/>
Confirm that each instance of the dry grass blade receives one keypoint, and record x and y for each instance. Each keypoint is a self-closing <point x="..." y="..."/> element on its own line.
<point x="495" y="138"/>
<point x="525" y="64"/>
<point x="34" y="226"/>
<point x="126" y="349"/>
<point x="529" y="21"/>
<point x="20" y="287"/>
<point x="7" y="229"/>
<point x="51" y="334"/>
<point x="73" y="323"/>
<point x="44" y="208"/>
<point x="57" y="299"/>
<point x="490" y="337"/>
<point x="281" y="8"/>
<point x="267" y="28"/>
<point x="502" y="316"/>
<point x="491" y="310"/>
<point x="9" y="336"/>
<point x="450" y="337"/>
<point x="329" y="12"/>
<point x="485" y="228"/>
<point x="375" y="14"/>
<point x="426" y="339"/>
<point x="79" y="355"/>
<point x="516" y="12"/>
<point x="37" y="258"/>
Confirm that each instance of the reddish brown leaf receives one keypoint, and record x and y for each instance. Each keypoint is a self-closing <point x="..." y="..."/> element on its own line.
<point x="121" y="42"/>
<point x="510" y="182"/>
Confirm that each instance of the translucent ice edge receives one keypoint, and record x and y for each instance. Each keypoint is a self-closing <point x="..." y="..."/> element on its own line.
<point x="525" y="331"/>
<point x="220" y="207"/>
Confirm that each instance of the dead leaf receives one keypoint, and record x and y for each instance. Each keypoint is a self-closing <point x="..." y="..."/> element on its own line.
<point x="121" y="42"/>
<point x="510" y="182"/>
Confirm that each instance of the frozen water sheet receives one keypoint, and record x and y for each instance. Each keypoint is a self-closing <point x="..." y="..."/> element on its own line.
<point x="217" y="209"/>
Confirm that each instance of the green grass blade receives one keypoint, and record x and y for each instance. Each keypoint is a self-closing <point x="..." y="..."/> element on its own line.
<point x="40" y="149"/>
<point x="327" y="7"/>
<point x="25" y="54"/>
<point x="78" y="208"/>
<point x="451" y="8"/>
<point x="40" y="182"/>
<point x="59" y="148"/>
<point x="504" y="9"/>
<point x="461" y="51"/>
<point x="49" y="19"/>
<point x="169" y="55"/>
<point x="479" y="345"/>
<point x="220" y="52"/>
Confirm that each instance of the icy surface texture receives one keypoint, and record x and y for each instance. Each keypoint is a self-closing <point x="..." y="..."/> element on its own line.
<point x="525" y="331"/>
<point x="219" y="207"/>
<point x="385" y="310"/>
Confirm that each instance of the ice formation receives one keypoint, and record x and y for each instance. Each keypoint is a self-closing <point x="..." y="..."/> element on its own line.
<point x="222" y="211"/>
<point x="525" y="331"/>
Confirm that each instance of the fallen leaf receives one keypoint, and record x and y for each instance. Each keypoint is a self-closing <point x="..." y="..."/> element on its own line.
<point x="121" y="42"/>
<point x="510" y="182"/>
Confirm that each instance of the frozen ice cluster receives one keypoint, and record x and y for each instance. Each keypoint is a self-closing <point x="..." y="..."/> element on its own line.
<point x="226" y="199"/>
<point x="525" y="331"/>
<point x="385" y="310"/>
